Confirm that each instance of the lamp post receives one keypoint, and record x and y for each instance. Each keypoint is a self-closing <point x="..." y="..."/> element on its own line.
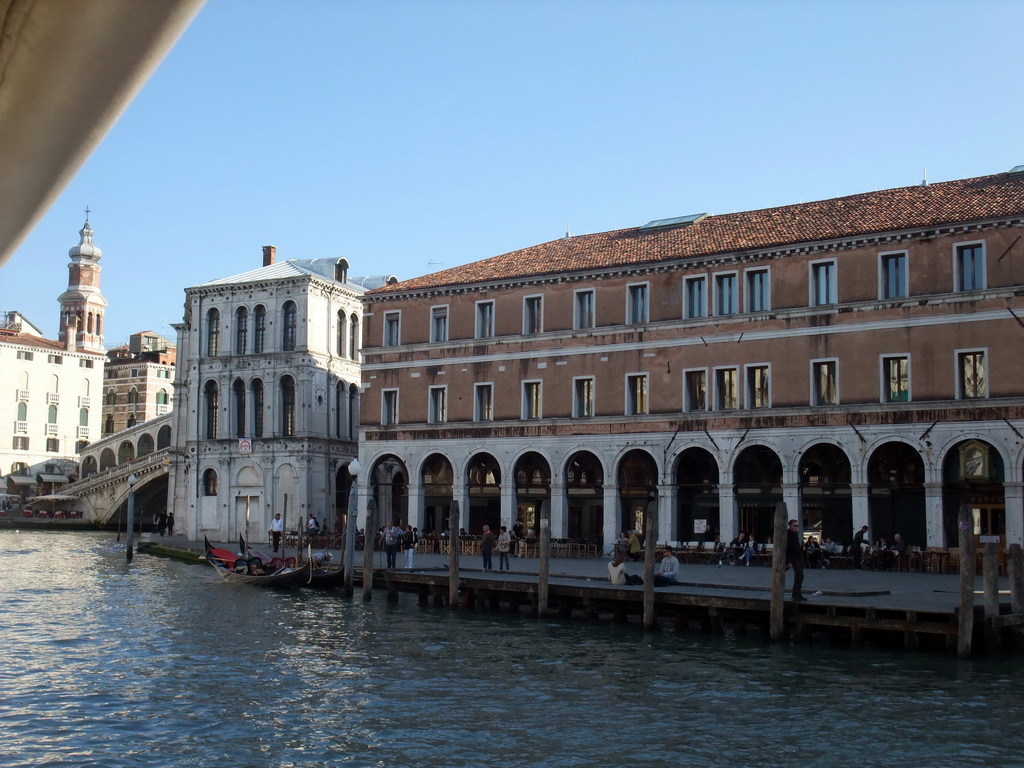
<point x="132" y="480"/>
<point x="350" y="525"/>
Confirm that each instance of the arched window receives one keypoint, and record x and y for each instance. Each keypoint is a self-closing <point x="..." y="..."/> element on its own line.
<point x="260" y="330"/>
<point x="212" y="409"/>
<point x="131" y="421"/>
<point x="89" y="323"/>
<point x="341" y="270"/>
<point x="83" y="417"/>
<point x="241" y="330"/>
<point x="210" y="482"/>
<point x="353" y="410"/>
<point x="51" y="414"/>
<point x="287" y="406"/>
<point x="288" y="332"/>
<point x="353" y="337"/>
<point x="212" y="333"/>
<point x="133" y="396"/>
<point x="238" y="388"/>
<point x="54" y="383"/>
<point x="257" y="407"/>
<point x="342" y="408"/>
<point x="22" y="412"/>
<point x="161" y="397"/>
<point x="108" y="426"/>
<point x="85" y="387"/>
<point x="23" y="380"/>
<point x="111" y="398"/>
<point x="342" y="333"/>
<point x="99" y="324"/>
<point x="163" y="436"/>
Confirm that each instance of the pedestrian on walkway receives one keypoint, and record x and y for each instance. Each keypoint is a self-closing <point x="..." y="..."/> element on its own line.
<point x="795" y="560"/>
<point x="486" y="545"/>
<point x="276" y="529"/>
<point x="391" y="535"/>
<point x="857" y="548"/>
<point x="409" y="539"/>
<point x="504" y="545"/>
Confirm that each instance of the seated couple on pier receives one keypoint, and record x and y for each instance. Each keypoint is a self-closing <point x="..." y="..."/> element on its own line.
<point x="666" y="575"/>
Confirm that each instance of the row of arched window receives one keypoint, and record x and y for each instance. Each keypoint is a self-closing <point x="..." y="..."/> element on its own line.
<point x="347" y="332"/>
<point x="54" y="384"/>
<point x="92" y="322"/>
<point x="248" y="406"/>
<point x="110" y="398"/>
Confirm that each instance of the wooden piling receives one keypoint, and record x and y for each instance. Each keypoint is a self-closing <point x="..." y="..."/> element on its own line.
<point x="370" y="535"/>
<point x="454" y="543"/>
<point x="776" y="612"/>
<point x="990" y="579"/>
<point x="1015" y="569"/>
<point x="650" y="543"/>
<point x="544" y="566"/>
<point x="965" y="632"/>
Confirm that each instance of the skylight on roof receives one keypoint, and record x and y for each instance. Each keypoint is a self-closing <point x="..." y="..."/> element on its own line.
<point x="1017" y="169"/>
<point x="678" y="221"/>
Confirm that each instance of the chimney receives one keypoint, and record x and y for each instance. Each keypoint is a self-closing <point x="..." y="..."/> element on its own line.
<point x="269" y="255"/>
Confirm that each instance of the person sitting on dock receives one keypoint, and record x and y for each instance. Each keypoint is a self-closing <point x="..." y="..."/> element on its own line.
<point x="617" y="568"/>
<point x="829" y="549"/>
<point x="668" y="572"/>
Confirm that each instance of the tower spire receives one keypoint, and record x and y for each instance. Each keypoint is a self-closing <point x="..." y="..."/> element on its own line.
<point x="82" y="305"/>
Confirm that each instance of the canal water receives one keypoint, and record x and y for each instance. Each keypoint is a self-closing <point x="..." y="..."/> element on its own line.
<point x="160" y="664"/>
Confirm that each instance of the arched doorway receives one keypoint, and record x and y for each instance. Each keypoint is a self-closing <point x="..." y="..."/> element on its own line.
<point x="484" y="488"/>
<point x="584" y="489"/>
<point x="389" y="483"/>
<point x="757" y="484"/>
<point x="437" y="478"/>
<point x="825" y="502"/>
<point x="638" y="484"/>
<point x="973" y="474"/>
<point x="533" y="487"/>
<point x="896" y="494"/>
<point x="89" y="466"/>
<point x="697" y="495"/>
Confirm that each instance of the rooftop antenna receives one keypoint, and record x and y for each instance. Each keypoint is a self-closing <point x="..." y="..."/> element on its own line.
<point x="924" y="181"/>
<point x="434" y="263"/>
<point x="568" y="230"/>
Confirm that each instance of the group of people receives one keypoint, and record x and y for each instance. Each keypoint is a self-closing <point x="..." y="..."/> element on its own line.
<point x="163" y="522"/>
<point x="519" y="538"/>
<point x="395" y="539"/>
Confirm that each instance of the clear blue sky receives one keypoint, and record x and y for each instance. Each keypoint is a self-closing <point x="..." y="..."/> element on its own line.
<point x="415" y="136"/>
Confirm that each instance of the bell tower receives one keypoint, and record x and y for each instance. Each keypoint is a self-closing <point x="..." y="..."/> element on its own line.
<point x="82" y="305"/>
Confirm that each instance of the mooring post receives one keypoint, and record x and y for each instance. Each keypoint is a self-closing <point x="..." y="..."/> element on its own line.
<point x="544" y="567"/>
<point x="965" y="633"/>
<point x="454" y="542"/>
<point x="990" y="579"/>
<point x="650" y="543"/>
<point x="1015" y="570"/>
<point x="368" y="541"/>
<point x="777" y="618"/>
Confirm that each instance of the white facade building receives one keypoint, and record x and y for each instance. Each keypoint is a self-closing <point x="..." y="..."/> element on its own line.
<point x="267" y="398"/>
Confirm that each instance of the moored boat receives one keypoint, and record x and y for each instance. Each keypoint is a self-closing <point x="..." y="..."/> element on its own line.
<point x="241" y="570"/>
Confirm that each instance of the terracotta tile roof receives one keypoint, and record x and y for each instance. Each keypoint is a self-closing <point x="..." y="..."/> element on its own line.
<point x="28" y="340"/>
<point x="985" y="197"/>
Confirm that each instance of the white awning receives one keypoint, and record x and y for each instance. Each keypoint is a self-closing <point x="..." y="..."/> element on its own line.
<point x="52" y="477"/>
<point x="21" y="480"/>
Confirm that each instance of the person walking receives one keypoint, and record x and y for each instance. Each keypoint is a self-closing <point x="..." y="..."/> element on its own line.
<point x="504" y="545"/>
<point x="392" y="534"/>
<point x="486" y="545"/>
<point x="170" y="523"/>
<point x="276" y="530"/>
<point x="857" y="548"/>
<point x="795" y="559"/>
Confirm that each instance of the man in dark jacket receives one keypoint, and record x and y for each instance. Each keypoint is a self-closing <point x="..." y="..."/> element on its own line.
<point x="856" y="549"/>
<point x="795" y="559"/>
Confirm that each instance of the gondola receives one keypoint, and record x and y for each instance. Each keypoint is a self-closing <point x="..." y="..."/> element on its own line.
<point x="230" y="568"/>
<point x="324" y="578"/>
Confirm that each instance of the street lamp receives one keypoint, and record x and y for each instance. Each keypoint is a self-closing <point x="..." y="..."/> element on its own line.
<point x="132" y="480"/>
<point x="350" y="524"/>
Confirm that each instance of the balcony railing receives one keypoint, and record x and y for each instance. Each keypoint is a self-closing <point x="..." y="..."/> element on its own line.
<point x="84" y="402"/>
<point x="23" y="395"/>
<point x="83" y="433"/>
<point x="53" y="398"/>
<point x="51" y="429"/>
<point x="21" y="427"/>
<point x="161" y="409"/>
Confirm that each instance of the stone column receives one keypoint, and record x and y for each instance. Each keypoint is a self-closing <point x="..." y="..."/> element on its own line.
<point x="611" y="516"/>
<point x="791" y="497"/>
<point x="559" y="512"/>
<point x="1013" y="497"/>
<point x="859" y="505"/>
<point x="667" y="513"/>
<point x="727" y="512"/>
<point x="508" y="503"/>
<point x="933" y="514"/>
<point x="416" y="506"/>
